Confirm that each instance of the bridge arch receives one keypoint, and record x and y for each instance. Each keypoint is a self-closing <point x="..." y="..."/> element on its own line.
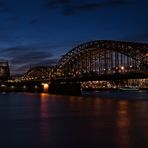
<point x="38" y="73"/>
<point x="102" y="57"/>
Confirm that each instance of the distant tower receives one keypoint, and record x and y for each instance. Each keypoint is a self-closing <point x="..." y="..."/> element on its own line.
<point x="4" y="71"/>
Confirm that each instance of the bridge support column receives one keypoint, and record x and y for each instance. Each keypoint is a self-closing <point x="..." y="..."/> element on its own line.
<point x="65" y="88"/>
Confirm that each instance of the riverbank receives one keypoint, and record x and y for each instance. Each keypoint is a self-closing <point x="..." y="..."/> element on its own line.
<point x="107" y="89"/>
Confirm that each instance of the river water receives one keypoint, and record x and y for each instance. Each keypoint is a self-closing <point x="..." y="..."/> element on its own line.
<point x="94" y="120"/>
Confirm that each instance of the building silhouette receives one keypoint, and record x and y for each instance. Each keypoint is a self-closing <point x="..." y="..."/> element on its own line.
<point x="4" y="71"/>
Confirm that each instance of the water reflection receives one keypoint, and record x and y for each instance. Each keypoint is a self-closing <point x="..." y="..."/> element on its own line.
<point x="45" y="120"/>
<point x="123" y="125"/>
<point x="44" y="114"/>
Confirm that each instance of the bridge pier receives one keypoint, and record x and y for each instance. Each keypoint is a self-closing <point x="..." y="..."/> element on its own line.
<point x="65" y="88"/>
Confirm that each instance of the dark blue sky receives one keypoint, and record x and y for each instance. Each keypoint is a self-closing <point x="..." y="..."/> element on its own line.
<point x="38" y="32"/>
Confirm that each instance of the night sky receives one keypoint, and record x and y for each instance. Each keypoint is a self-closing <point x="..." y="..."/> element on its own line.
<point x="38" y="32"/>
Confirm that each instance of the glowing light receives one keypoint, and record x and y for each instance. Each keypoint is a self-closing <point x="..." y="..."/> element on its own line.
<point x="122" y="67"/>
<point x="45" y="87"/>
<point x="24" y="87"/>
<point x="12" y="86"/>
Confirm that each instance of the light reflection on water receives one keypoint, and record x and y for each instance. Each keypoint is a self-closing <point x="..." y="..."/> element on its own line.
<point x="44" y="125"/>
<point x="123" y="125"/>
<point x="45" y="120"/>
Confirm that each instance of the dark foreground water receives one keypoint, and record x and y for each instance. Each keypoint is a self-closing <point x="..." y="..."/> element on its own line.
<point x="104" y="120"/>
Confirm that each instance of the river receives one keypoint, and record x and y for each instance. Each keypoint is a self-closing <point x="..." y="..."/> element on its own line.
<point x="93" y="120"/>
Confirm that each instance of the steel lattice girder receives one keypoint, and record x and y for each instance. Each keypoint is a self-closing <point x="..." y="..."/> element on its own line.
<point x="38" y="72"/>
<point x="136" y="51"/>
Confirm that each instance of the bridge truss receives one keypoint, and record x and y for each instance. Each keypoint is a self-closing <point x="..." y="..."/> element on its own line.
<point x="38" y="73"/>
<point x="103" y="58"/>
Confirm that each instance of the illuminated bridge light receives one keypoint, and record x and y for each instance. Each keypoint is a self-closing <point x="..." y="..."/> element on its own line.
<point x="24" y="87"/>
<point x="87" y="62"/>
<point x="45" y="87"/>
<point x="3" y="85"/>
<point x="122" y="68"/>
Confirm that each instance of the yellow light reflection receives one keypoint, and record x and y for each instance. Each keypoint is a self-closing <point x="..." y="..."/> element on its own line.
<point x="44" y="113"/>
<point x="123" y="124"/>
<point x="44" y="96"/>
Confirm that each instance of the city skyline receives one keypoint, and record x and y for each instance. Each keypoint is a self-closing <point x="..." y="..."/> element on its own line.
<point x="39" y="32"/>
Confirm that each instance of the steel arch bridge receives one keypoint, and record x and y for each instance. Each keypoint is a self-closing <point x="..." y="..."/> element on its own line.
<point x="103" y="60"/>
<point x="38" y="73"/>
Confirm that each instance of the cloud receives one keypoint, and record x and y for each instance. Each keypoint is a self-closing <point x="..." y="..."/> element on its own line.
<point x="90" y="7"/>
<point x="39" y="54"/>
<point x="70" y="8"/>
<point x="29" y="57"/>
<point x="21" y="56"/>
<point x="3" y="59"/>
<point x="117" y="2"/>
<point x="64" y="1"/>
<point x="56" y="3"/>
<point x="47" y="62"/>
<point x="23" y="68"/>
